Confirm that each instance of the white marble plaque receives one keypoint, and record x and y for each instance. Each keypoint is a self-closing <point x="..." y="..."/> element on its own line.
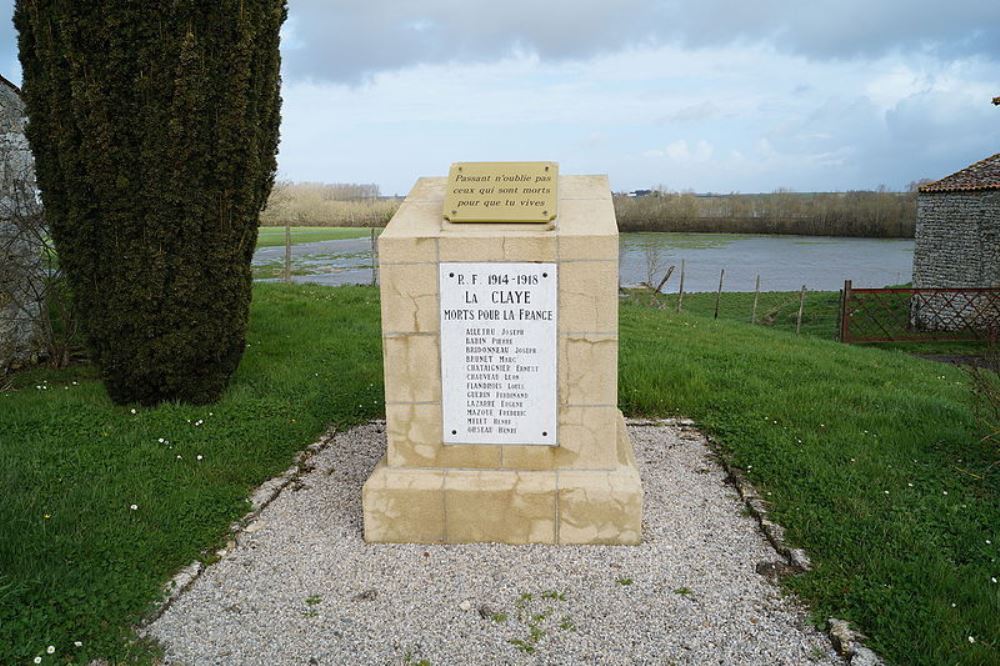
<point x="498" y="353"/>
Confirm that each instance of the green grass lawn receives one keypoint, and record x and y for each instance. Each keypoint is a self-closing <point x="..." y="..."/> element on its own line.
<point x="275" y="236"/>
<point x="76" y="562"/>
<point x="832" y="435"/>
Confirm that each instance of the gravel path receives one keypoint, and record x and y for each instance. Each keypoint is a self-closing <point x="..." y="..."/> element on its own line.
<point x="301" y="586"/>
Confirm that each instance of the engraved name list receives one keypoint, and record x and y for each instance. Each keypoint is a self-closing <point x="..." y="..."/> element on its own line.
<point x="498" y="353"/>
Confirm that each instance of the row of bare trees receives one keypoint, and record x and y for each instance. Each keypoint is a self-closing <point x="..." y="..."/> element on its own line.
<point x="878" y="213"/>
<point x="327" y="204"/>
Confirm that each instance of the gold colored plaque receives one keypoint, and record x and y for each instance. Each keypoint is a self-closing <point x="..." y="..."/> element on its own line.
<point x="502" y="192"/>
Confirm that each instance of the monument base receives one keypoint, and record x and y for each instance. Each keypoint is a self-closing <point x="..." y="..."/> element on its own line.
<point x="456" y="505"/>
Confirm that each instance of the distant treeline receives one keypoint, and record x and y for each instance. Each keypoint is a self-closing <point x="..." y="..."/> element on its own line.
<point x="328" y="205"/>
<point x="876" y="214"/>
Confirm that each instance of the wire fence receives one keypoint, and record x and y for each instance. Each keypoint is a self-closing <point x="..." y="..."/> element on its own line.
<point x="803" y="311"/>
<point x="895" y="315"/>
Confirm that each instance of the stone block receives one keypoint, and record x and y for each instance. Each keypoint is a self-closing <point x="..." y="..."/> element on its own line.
<point x="500" y="506"/>
<point x="600" y="507"/>
<point x="410" y="298"/>
<point x="588" y="369"/>
<point x="404" y="506"/>
<point x="588" y="297"/>
<point x="409" y="363"/>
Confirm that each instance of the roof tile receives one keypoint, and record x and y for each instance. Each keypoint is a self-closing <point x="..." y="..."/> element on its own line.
<point x="983" y="175"/>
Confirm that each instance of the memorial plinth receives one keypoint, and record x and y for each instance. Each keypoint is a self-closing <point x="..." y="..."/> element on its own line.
<point x="500" y="344"/>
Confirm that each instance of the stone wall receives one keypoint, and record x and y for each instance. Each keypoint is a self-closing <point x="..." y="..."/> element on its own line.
<point x="21" y="276"/>
<point x="957" y="245"/>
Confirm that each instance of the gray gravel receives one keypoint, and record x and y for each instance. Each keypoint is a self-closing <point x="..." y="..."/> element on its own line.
<point x="302" y="587"/>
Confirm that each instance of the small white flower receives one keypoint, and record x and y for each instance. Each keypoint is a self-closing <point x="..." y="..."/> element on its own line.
<point x="211" y="414"/>
<point x="886" y="492"/>
<point x="994" y="579"/>
<point x="988" y="542"/>
<point x="78" y="643"/>
<point x="199" y="457"/>
<point x="910" y="485"/>
<point x="178" y="456"/>
<point x="51" y="649"/>
<point x="134" y="507"/>
<point x="161" y="440"/>
<point x="971" y="639"/>
<point x="132" y="410"/>
<point x="38" y="660"/>
<point x="945" y="492"/>
<point x="953" y="605"/>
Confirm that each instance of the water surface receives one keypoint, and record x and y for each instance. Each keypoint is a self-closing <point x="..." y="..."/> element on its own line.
<point x="784" y="263"/>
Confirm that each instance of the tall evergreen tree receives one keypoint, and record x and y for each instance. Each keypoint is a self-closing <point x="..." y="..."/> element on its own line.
<point x="155" y="128"/>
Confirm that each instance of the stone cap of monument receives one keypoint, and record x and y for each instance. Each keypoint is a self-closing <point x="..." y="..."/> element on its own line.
<point x="983" y="175"/>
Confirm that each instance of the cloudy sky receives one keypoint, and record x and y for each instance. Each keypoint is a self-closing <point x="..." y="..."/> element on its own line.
<point x="716" y="95"/>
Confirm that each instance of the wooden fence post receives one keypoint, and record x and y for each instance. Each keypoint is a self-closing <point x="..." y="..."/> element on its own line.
<point x="374" y="259"/>
<point x="680" y="291"/>
<point x="756" y="294"/>
<point x="288" y="253"/>
<point x="802" y="302"/>
<point x="718" y="296"/>
<point x="845" y="297"/>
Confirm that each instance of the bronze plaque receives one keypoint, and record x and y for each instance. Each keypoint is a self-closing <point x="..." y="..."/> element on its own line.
<point x="503" y="192"/>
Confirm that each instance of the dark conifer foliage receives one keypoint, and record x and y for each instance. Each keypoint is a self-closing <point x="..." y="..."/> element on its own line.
<point x="155" y="128"/>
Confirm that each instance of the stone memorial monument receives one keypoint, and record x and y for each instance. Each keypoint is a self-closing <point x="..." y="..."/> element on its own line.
<point x="499" y="290"/>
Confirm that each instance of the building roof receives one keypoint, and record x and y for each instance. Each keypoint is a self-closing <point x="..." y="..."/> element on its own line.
<point x="983" y="175"/>
<point x="10" y="85"/>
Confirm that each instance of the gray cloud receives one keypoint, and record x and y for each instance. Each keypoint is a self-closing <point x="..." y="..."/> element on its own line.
<point x="347" y="42"/>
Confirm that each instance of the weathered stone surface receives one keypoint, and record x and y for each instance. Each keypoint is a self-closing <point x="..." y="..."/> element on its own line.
<point x="865" y="657"/>
<point x="584" y="490"/>
<point x="454" y="505"/>
<point x="21" y="279"/>
<point x="957" y="245"/>
<point x="841" y="636"/>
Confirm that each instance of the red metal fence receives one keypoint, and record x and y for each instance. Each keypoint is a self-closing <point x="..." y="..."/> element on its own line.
<point x="906" y="314"/>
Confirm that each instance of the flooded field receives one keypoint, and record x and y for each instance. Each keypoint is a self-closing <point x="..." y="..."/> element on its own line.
<point x="784" y="263"/>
